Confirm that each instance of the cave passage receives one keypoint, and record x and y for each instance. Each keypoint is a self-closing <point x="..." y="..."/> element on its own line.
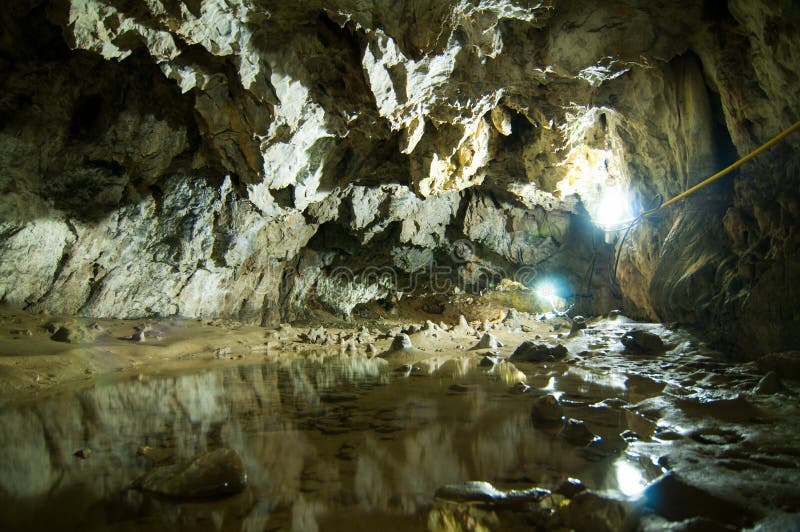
<point x="413" y="265"/>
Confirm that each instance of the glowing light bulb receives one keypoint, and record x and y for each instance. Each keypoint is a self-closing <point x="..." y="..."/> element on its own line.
<point x="546" y="290"/>
<point x="614" y="209"/>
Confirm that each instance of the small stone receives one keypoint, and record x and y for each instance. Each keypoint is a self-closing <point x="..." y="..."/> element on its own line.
<point x="371" y="351"/>
<point x="138" y="336"/>
<point x="547" y="410"/>
<point x="530" y="351"/>
<point x="578" y="323"/>
<point x="364" y="337"/>
<point x="487" y="362"/>
<point x="401" y="341"/>
<point x="83" y="453"/>
<point x="769" y="384"/>
<point x="643" y="342"/>
<point x="570" y="487"/>
<point x="577" y="433"/>
<point x="487" y="341"/>
<point x="62" y="334"/>
<point x="315" y="335"/>
<point x="520" y="387"/>
<point x="411" y="329"/>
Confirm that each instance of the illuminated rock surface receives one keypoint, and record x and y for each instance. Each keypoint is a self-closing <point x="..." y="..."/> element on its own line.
<point x="231" y="159"/>
<point x="288" y="187"/>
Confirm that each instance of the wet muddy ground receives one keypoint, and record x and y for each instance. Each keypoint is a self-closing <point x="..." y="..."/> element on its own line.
<point x="362" y="428"/>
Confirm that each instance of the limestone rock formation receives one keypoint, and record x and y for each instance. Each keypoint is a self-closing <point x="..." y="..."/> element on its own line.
<point x="254" y="159"/>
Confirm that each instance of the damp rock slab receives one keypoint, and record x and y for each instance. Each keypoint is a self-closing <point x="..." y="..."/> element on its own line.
<point x="210" y="475"/>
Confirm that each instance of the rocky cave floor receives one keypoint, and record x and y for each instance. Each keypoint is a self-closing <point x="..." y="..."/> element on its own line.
<point x="628" y="425"/>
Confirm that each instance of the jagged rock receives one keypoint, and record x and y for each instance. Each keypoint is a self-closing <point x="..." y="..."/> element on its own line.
<point x="530" y="351"/>
<point x="578" y="324"/>
<point x="487" y="341"/>
<point x="214" y="474"/>
<point x="463" y="327"/>
<point x="316" y="335"/>
<point x="547" y="410"/>
<point x="643" y="342"/>
<point x="512" y="319"/>
<point x="769" y="384"/>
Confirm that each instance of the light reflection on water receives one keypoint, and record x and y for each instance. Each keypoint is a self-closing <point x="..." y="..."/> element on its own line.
<point x="323" y="444"/>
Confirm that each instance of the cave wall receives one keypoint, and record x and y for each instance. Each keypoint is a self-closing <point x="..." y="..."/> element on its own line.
<point x="251" y="158"/>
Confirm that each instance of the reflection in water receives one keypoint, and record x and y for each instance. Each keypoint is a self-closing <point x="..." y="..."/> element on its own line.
<point x="323" y="445"/>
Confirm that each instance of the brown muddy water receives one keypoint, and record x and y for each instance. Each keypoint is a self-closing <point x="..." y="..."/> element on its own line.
<point x="353" y="443"/>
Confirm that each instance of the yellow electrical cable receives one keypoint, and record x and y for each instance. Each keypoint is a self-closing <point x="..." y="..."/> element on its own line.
<point x="774" y="140"/>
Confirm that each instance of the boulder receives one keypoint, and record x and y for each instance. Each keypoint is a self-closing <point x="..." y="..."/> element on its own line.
<point x="644" y="342"/>
<point x="530" y="351"/>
